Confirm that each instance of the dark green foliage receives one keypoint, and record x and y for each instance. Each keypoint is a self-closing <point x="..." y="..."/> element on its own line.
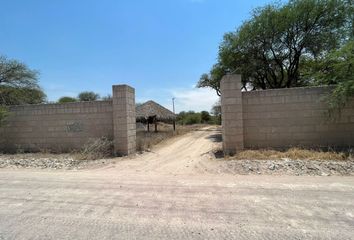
<point x="336" y="68"/>
<point x="212" y="79"/>
<point x="19" y="96"/>
<point x="269" y="49"/>
<point x="67" y="100"/>
<point x="88" y="96"/>
<point x="205" y="117"/>
<point x="191" y="117"/>
<point x="188" y="118"/>
<point x="18" y="84"/>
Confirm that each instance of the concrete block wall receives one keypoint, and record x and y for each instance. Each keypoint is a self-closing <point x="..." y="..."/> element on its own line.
<point x="65" y="127"/>
<point x="232" y="114"/>
<point x="2" y="139"/>
<point x="295" y="117"/>
<point x="124" y="119"/>
<point x="282" y="118"/>
<point x="59" y="127"/>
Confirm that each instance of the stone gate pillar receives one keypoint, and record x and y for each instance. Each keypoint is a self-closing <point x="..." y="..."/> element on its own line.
<point x="124" y="119"/>
<point x="232" y="114"/>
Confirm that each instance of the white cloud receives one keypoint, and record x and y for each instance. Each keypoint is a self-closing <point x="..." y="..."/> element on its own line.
<point x="196" y="99"/>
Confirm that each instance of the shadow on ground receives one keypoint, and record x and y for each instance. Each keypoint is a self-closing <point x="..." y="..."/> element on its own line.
<point x="215" y="137"/>
<point x="218" y="154"/>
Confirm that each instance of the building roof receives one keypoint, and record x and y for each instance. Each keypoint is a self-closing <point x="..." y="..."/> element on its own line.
<point x="153" y="109"/>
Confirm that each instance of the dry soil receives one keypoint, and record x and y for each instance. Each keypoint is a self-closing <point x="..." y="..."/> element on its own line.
<point x="173" y="192"/>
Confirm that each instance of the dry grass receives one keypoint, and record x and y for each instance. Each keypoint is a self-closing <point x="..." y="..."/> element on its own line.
<point x="146" y="140"/>
<point x="95" y="149"/>
<point x="293" y="153"/>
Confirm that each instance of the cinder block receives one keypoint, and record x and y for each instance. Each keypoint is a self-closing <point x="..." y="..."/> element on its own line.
<point x="232" y="113"/>
<point x="124" y="126"/>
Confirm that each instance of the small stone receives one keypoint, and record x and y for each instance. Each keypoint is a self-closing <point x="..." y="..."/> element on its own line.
<point x="271" y="167"/>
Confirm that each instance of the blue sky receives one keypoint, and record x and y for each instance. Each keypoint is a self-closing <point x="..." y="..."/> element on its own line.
<point x="160" y="47"/>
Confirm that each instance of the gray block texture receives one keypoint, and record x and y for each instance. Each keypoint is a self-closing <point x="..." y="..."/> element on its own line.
<point x="282" y="118"/>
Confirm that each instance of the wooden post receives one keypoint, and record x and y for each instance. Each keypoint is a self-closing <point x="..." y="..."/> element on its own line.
<point x="174" y="120"/>
<point x="155" y="124"/>
<point x="148" y="125"/>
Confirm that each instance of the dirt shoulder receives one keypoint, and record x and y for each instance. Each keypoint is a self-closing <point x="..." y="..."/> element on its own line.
<point x="49" y="161"/>
<point x="288" y="167"/>
<point x="96" y="204"/>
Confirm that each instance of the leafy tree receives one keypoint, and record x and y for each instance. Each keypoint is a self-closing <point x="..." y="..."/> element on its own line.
<point x="191" y="117"/>
<point x="67" y="100"/>
<point x="88" y="96"/>
<point x="336" y="68"/>
<point x="212" y="80"/>
<point x="18" y="84"/>
<point x="20" y="96"/>
<point x="16" y="74"/>
<point x="268" y="50"/>
<point x="188" y="118"/>
<point x="205" y="117"/>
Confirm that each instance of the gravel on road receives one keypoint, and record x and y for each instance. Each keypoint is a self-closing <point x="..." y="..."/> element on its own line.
<point x="179" y="190"/>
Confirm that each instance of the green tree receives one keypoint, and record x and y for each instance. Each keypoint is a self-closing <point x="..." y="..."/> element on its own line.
<point x="212" y="80"/>
<point x="20" y="96"/>
<point x="268" y="50"/>
<point x="18" y="84"/>
<point x="188" y="118"/>
<point x="192" y="118"/>
<point x="88" y="96"/>
<point x="205" y="117"/>
<point x="337" y="68"/>
<point x="67" y="100"/>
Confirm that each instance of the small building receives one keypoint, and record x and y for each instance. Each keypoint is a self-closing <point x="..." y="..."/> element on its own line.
<point x="151" y="112"/>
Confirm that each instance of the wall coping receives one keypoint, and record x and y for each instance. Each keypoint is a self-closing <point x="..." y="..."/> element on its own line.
<point x="58" y="104"/>
<point x="290" y="89"/>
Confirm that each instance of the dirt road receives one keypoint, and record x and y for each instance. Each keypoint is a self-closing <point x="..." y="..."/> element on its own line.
<point x="187" y="154"/>
<point x="170" y="194"/>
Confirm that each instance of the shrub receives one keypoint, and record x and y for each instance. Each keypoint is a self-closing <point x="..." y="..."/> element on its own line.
<point x="88" y="96"/>
<point x="67" y="100"/>
<point x="96" y="149"/>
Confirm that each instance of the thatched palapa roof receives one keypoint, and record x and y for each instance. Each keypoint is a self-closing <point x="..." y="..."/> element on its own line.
<point x="153" y="109"/>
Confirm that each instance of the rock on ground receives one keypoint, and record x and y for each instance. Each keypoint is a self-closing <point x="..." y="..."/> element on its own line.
<point x="290" y="167"/>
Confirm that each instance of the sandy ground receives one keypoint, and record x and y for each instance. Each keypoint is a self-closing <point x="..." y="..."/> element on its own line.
<point x="172" y="193"/>
<point x="186" y="154"/>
